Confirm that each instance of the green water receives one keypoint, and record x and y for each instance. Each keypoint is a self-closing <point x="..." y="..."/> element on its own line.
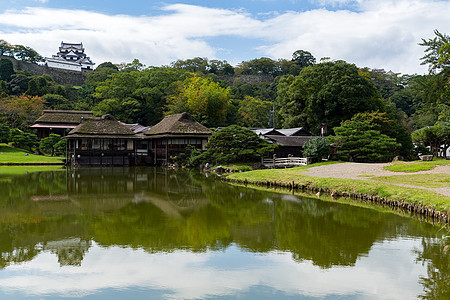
<point x="147" y="233"/>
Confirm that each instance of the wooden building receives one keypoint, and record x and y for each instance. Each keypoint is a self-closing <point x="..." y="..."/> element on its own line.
<point x="171" y="136"/>
<point x="59" y="122"/>
<point x="288" y="145"/>
<point x="102" y="141"/>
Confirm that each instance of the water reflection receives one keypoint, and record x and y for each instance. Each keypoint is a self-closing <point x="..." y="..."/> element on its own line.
<point x="183" y="235"/>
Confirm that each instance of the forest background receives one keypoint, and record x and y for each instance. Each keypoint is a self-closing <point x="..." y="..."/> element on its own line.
<point x="301" y="92"/>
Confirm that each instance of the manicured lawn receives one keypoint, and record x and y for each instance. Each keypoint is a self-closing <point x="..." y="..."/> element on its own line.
<point x="10" y="154"/>
<point x="425" y="180"/>
<point x="381" y="188"/>
<point x="416" y="166"/>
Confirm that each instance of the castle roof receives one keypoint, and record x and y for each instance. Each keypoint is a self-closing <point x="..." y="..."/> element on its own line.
<point x="78" y="46"/>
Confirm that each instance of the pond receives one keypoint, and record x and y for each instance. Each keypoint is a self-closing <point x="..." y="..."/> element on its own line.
<point x="121" y="233"/>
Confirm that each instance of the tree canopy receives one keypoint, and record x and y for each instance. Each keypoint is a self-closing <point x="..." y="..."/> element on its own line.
<point x="437" y="53"/>
<point x="203" y="98"/>
<point x="235" y="144"/>
<point x="328" y="92"/>
<point x="355" y="140"/>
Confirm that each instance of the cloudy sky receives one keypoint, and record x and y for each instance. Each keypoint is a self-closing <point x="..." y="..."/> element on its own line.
<point x="370" y="33"/>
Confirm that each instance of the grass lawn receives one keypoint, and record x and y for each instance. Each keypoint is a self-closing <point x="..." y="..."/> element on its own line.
<point x="425" y="180"/>
<point x="10" y="154"/>
<point x="382" y="187"/>
<point x="416" y="166"/>
<point x="10" y="171"/>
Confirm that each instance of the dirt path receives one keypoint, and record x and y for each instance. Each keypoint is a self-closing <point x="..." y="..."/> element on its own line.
<point x="359" y="170"/>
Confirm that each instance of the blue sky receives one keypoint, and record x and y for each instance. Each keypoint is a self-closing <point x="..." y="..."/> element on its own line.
<point x="370" y="33"/>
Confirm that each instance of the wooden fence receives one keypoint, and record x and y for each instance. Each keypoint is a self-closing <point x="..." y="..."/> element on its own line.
<point x="285" y="162"/>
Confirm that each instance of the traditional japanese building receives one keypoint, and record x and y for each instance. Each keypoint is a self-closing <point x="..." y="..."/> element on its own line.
<point x="59" y="122"/>
<point x="70" y="57"/>
<point x="102" y="141"/>
<point x="290" y="140"/>
<point x="170" y="137"/>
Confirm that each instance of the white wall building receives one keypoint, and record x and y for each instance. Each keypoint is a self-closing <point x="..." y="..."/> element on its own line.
<point x="70" y="57"/>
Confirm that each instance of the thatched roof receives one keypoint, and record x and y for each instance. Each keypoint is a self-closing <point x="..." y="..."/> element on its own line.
<point x="179" y="125"/>
<point x="64" y="116"/>
<point x="104" y="127"/>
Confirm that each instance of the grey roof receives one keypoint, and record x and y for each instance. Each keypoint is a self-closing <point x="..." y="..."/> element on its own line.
<point x="178" y="124"/>
<point x="78" y="46"/>
<point x="137" y="128"/>
<point x="292" y="141"/>
<point x="298" y="131"/>
<point x="265" y="131"/>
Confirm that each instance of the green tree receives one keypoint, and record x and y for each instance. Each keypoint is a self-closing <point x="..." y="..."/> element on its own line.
<point x="20" y="112"/>
<point x="100" y="74"/>
<point x="135" y="65"/>
<point x="234" y="144"/>
<point x="3" y="89"/>
<point x="19" y="82"/>
<point x="5" y="134"/>
<point x="47" y="144"/>
<point x="391" y="127"/>
<point x="220" y="67"/>
<point x="303" y="58"/>
<point x="6" y="48"/>
<point x="107" y="64"/>
<point x="54" y="101"/>
<point x="27" y="54"/>
<point x="133" y="96"/>
<point x="203" y="98"/>
<point x="254" y="112"/>
<point x="6" y="69"/>
<point x="434" y="137"/>
<point x="193" y="65"/>
<point x="23" y="139"/>
<point x="60" y="147"/>
<point x="263" y="65"/>
<point x="327" y="92"/>
<point x="354" y="140"/>
<point x="317" y="148"/>
<point x="387" y="83"/>
<point x="40" y="85"/>
<point x="437" y="53"/>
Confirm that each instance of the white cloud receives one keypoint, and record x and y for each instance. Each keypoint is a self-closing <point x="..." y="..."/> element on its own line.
<point x="390" y="266"/>
<point x="380" y="34"/>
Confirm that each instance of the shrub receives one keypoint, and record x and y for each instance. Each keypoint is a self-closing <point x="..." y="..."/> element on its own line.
<point x="317" y="148"/>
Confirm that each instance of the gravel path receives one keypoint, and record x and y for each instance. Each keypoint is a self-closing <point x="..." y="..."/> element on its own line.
<point x="358" y="170"/>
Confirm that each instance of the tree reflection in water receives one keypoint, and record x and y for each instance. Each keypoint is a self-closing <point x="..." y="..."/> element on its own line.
<point x="161" y="210"/>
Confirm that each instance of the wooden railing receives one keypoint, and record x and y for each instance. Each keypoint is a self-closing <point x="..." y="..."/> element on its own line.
<point x="285" y="162"/>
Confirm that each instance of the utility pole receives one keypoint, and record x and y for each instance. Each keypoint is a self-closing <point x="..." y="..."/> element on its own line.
<point x="273" y="117"/>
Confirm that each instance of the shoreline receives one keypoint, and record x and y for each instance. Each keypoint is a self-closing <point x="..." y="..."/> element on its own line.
<point x="312" y="190"/>
<point x="32" y="164"/>
<point x="353" y="181"/>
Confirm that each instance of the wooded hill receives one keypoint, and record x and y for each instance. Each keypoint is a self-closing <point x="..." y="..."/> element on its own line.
<point x="303" y="92"/>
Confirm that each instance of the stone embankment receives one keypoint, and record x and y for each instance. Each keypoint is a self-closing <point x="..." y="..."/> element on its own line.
<point x="59" y="76"/>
